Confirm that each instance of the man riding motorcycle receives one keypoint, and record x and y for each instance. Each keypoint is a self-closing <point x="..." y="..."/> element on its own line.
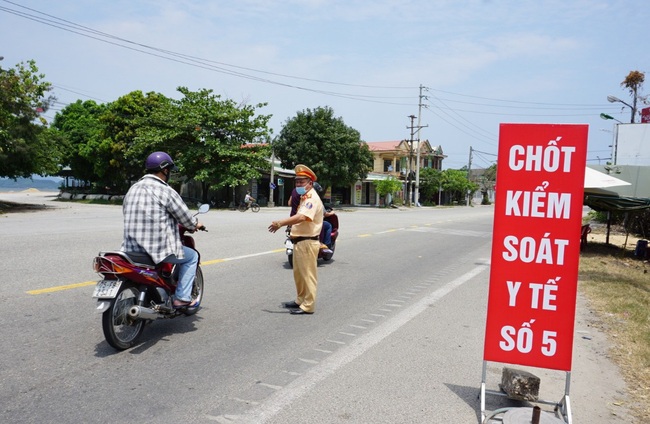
<point x="152" y="212"/>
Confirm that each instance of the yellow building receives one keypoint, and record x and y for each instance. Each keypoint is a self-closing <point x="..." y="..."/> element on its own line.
<point x="392" y="158"/>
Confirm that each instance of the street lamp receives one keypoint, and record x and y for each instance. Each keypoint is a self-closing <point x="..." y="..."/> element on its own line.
<point x="606" y="116"/>
<point x="615" y="143"/>
<point x="613" y="99"/>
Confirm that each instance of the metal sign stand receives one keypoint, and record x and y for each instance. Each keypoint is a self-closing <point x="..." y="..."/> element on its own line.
<point x="563" y="407"/>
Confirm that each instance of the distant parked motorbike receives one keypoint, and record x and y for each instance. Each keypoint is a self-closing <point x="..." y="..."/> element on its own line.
<point x="134" y="290"/>
<point x="332" y="219"/>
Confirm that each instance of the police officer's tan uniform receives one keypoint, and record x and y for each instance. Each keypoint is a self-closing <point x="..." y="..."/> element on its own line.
<point x="305" y="252"/>
<point x="305" y="230"/>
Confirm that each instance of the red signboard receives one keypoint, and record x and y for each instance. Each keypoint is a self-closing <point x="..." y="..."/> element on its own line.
<point x="645" y="115"/>
<point x="536" y="245"/>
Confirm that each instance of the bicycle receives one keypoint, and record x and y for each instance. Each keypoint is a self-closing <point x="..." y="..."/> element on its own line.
<point x="243" y="207"/>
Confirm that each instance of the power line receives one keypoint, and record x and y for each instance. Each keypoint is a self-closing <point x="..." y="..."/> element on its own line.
<point x="188" y="60"/>
<point x="460" y="126"/>
<point x="517" y="101"/>
<point x="441" y="108"/>
<point x="78" y="29"/>
<point x="485" y="133"/>
<point x="230" y="69"/>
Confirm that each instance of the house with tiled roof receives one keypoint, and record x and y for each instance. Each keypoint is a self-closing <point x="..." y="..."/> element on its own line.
<point x="391" y="159"/>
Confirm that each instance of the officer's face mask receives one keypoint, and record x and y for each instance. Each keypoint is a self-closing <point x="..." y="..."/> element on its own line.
<point x="303" y="187"/>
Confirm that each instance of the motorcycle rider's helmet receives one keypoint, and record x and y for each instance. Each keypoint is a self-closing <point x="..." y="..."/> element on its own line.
<point x="157" y="161"/>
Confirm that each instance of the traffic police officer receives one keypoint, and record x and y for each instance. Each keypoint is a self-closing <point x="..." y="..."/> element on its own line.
<point x="305" y="229"/>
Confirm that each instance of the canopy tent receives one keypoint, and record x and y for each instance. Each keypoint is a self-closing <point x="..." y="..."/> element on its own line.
<point x="615" y="203"/>
<point x="627" y="197"/>
<point x="596" y="179"/>
<point x="600" y="195"/>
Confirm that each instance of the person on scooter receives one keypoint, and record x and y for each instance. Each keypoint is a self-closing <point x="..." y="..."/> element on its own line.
<point x="152" y="212"/>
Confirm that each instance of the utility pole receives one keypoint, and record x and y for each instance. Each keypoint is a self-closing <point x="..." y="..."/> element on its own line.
<point x="409" y="166"/>
<point x="271" y="202"/>
<point x="417" y="161"/>
<point x="469" y="170"/>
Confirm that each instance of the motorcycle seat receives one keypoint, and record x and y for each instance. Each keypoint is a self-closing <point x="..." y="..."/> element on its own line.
<point x="140" y="258"/>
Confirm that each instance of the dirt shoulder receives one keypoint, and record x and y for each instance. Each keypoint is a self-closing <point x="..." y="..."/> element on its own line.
<point x="30" y="200"/>
<point x="616" y="285"/>
<point x="617" y="236"/>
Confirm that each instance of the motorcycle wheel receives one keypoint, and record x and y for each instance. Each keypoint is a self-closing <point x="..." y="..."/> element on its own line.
<point x="255" y="207"/>
<point x="242" y="208"/>
<point x="290" y="259"/>
<point x="197" y="292"/>
<point x="120" y="330"/>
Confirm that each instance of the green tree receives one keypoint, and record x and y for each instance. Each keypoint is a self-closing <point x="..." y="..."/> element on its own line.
<point x="25" y="144"/>
<point x="213" y="141"/>
<point x="99" y="137"/>
<point x="634" y="82"/>
<point x="486" y="183"/>
<point x="333" y="150"/>
<point x="431" y="180"/>
<point x="79" y="124"/>
<point x="387" y="186"/>
<point x="456" y="183"/>
<point x="114" y="165"/>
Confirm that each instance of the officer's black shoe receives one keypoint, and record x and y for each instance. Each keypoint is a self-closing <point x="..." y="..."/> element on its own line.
<point x="299" y="312"/>
<point x="290" y="305"/>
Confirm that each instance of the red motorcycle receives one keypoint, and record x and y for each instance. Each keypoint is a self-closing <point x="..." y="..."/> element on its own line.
<point x="332" y="219"/>
<point x="134" y="290"/>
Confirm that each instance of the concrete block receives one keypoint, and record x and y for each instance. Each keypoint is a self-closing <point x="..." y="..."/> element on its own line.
<point x="520" y="385"/>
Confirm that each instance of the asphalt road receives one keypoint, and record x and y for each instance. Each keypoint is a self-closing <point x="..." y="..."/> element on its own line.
<point x="397" y="336"/>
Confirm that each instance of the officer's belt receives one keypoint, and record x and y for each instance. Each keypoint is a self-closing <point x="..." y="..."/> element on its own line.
<point x="295" y="240"/>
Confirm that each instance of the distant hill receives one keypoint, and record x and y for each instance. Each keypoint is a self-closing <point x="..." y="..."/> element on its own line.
<point x="42" y="184"/>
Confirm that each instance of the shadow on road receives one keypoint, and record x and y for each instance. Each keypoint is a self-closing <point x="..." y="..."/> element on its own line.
<point x="154" y="332"/>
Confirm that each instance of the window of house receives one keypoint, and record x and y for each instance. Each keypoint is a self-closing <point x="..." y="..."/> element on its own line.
<point x="388" y="165"/>
<point x="401" y="165"/>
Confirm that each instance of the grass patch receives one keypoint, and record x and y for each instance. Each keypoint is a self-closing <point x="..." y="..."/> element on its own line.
<point x="617" y="285"/>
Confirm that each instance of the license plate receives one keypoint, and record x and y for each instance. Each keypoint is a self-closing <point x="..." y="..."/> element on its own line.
<point x="107" y="288"/>
<point x="288" y="244"/>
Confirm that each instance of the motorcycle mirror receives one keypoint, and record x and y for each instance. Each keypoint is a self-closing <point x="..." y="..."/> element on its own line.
<point x="204" y="208"/>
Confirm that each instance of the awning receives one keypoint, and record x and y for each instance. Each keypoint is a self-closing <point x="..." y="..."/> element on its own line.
<point x="616" y="203"/>
<point x="604" y="192"/>
<point x="597" y="179"/>
<point x="373" y="176"/>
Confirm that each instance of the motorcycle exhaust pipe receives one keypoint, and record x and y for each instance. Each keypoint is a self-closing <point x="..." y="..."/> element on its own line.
<point x="140" y="312"/>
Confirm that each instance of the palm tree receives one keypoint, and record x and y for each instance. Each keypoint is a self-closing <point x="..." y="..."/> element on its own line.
<point x="633" y="82"/>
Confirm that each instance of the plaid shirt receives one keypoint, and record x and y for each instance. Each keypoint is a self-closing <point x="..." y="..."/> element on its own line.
<point x="152" y="211"/>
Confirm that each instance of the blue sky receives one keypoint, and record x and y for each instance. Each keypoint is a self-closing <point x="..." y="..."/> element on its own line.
<point x="483" y="62"/>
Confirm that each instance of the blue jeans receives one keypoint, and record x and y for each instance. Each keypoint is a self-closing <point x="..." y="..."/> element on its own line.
<point x="326" y="234"/>
<point x="186" y="272"/>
